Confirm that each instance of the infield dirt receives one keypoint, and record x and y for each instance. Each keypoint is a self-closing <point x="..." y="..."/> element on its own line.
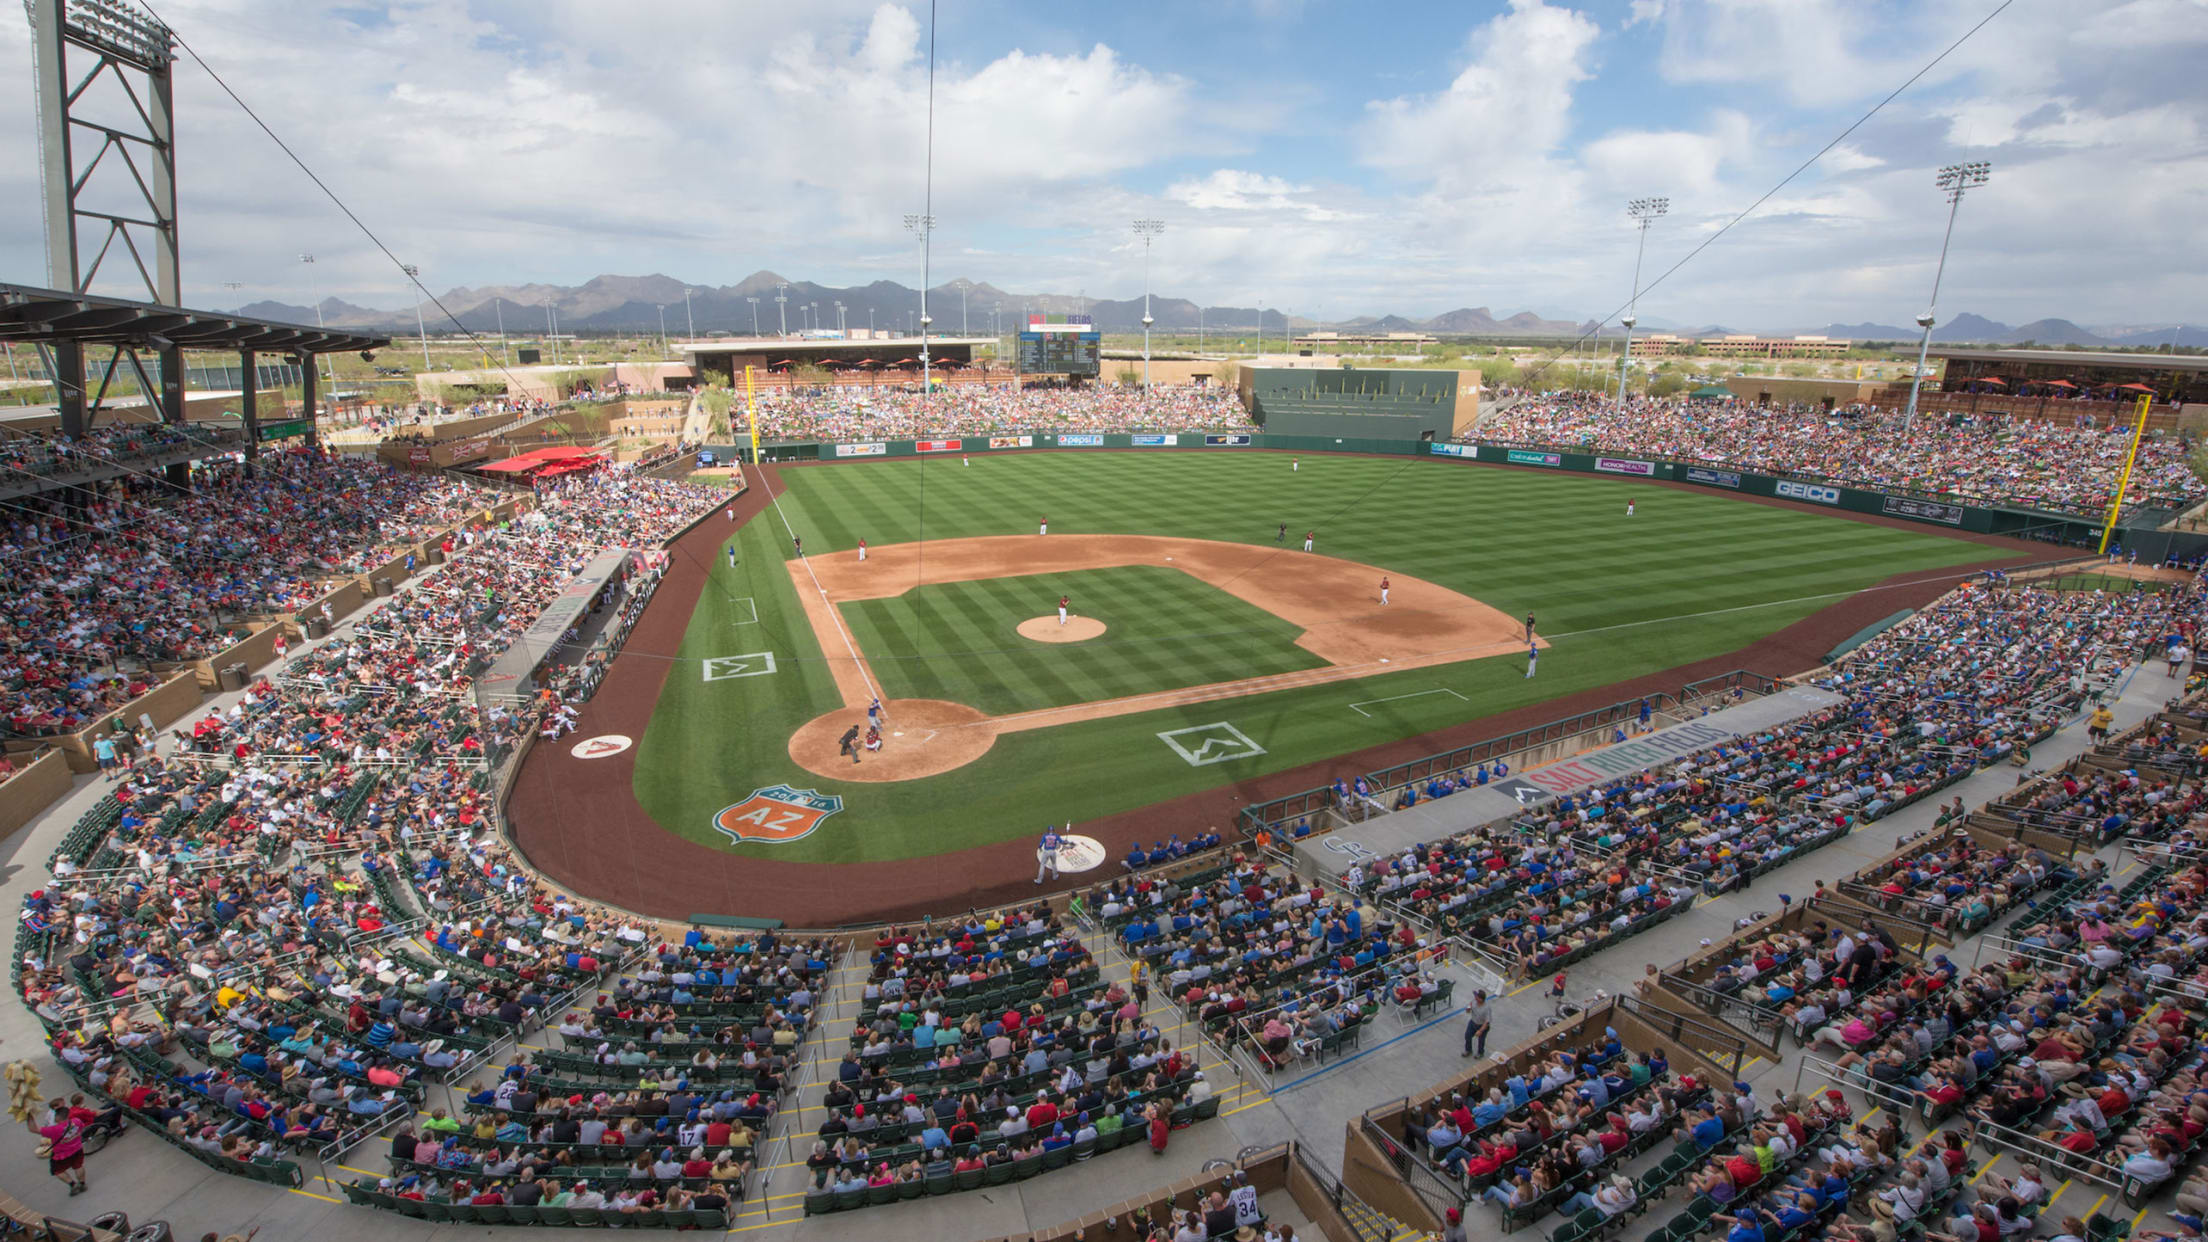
<point x="1335" y="602"/>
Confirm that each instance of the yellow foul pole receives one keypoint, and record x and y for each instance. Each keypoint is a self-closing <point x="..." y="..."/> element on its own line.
<point x="751" y="404"/>
<point x="2123" y="481"/>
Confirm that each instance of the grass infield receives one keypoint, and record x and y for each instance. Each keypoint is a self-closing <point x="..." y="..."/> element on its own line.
<point x="1688" y="576"/>
<point x="1164" y="630"/>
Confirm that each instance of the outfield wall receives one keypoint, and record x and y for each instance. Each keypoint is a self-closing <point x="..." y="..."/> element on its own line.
<point x="1015" y="441"/>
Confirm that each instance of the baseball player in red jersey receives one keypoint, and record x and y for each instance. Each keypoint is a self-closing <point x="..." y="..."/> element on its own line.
<point x="1629" y="508"/>
<point x="1309" y="537"/>
<point x="862" y="549"/>
<point x="1043" y="527"/>
<point x="1383" y="588"/>
<point x="1064" y="602"/>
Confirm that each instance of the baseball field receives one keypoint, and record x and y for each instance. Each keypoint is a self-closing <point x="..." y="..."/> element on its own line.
<point x="1207" y="647"/>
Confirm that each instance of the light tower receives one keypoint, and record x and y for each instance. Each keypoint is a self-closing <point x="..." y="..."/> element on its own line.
<point x="414" y="276"/>
<point x="754" y="314"/>
<point x="839" y="319"/>
<point x="922" y="227"/>
<point x="309" y="259"/>
<point x="1146" y="229"/>
<point x="781" y="307"/>
<point x="1645" y="211"/>
<point x="1954" y="180"/>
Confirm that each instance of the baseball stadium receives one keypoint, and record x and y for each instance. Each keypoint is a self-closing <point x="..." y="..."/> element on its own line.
<point x="852" y="784"/>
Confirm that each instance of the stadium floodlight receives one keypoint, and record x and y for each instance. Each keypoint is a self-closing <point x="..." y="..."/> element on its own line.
<point x="1644" y="212"/>
<point x="1146" y="229"/>
<point x="754" y="316"/>
<point x="1954" y="180"/>
<point x="690" y="321"/>
<point x="123" y="31"/>
<point x="414" y="276"/>
<point x="923" y="227"/>
<point x="839" y="319"/>
<point x="781" y="307"/>
<point x="309" y="260"/>
<point x="552" y="326"/>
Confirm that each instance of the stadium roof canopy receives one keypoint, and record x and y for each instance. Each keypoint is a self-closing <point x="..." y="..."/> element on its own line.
<point x="2080" y="358"/>
<point x="46" y="316"/>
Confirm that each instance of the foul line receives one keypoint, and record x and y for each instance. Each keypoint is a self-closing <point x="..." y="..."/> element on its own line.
<point x="1358" y="706"/>
<point x="858" y="664"/>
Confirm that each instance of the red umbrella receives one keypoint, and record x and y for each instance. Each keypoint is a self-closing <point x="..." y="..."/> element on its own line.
<point x="1990" y="379"/>
<point x="2060" y="384"/>
<point x="786" y="362"/>
<point x="2133" y="388"/>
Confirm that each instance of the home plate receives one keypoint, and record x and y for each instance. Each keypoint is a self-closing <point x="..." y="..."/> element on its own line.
<point x="898" y="733"/>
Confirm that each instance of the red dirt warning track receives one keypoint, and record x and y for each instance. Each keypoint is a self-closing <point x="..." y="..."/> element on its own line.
<point x="577" y="820"/>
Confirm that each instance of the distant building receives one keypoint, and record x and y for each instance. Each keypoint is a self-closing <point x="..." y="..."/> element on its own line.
<point x="1412" y="340"/>
<point x="1773" y="346"/>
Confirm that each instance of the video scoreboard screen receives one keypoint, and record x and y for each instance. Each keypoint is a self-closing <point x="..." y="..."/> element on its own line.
<point x="1059" y="345"/>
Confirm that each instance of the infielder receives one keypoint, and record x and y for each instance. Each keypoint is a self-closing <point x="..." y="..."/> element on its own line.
<point x="862" y="549"/>
<point x="1309" y="537"/>
<point x="1064" y="602"/>
<point x="1383" y="588"/>
<point x="1043" y="527"/>
<point x="1533" y="655"/>
<point x="1046" y="855"/>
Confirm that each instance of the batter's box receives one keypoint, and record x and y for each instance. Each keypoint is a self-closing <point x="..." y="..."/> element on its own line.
<point x="1206" y="744"/>
<point x="742" y="610"/>
<point x="756" y="664"/>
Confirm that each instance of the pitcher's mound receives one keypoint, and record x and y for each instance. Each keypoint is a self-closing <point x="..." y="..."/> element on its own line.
<point x="1075" y="630"/>
<point x="921" y="737"/>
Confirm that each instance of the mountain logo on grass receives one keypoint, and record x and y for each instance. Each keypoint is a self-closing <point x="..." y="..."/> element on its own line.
<point x="777" y="814"/>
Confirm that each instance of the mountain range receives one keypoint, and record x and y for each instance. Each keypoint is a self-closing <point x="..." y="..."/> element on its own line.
<point x="767" y="302"/>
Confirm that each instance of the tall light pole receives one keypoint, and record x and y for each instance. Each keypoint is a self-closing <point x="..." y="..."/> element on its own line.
<point x="1199" y="327"/>
<point x="1645" y="211"/>
<point x="663" y="331"/>
<point x="414" y="275"/>
<point x="870" y="323"/>
<point x="922" y="226"/>
<point x="754" y="314"/>
<point x="552" y="328"/>
<point x="689" y="320"/>
<point x="781" y="307"/>
<point x="1146" y="229"/>
<point x="839" y="319"/>
<point x="1954" y="180"/>
<point x="309" y="259"/>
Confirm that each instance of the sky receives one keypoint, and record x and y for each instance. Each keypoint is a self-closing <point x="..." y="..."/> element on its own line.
<point x="1332" y="158"/>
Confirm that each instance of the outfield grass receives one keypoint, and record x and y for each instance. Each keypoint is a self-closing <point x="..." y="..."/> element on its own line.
<point x="1689" y="576"/>
<point x="1165" y="630"/>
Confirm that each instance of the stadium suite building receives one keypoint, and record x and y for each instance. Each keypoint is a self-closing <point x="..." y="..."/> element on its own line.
<point x="722" y="361"/>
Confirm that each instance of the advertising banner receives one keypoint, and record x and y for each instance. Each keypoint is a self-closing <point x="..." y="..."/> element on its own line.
<point x="937" y="446"/>
<point x="1619" y="465"/>
<point x="1924" y="510"/>
<point x="1232" y="439"/>
<point x="1715" y="478"/>
<point x="1527" y="457"/>
<point x="1082" y="439"/>
<point x="871" y="449"/>
<point x="1452" y="450"/>
<point x="1011" y="442"/>
<point x="470" y="450"/>
<point x="1809" y="491"/>
<point x="418" y="455"/>
<point x="1154" y="441"/>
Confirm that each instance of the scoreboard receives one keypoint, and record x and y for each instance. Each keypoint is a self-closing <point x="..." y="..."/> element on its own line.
<point x="1059" y="353"/>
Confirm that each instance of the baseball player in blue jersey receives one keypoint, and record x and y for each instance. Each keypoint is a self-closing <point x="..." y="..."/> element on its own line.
<point x="1046" y="855"/>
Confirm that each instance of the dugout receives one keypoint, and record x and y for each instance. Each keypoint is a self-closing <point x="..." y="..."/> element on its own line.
<point x="1355" y="404"/>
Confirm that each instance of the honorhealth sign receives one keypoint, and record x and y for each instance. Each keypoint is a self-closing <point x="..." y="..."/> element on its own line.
<point x="1715" y="478"/>
<point x="873" y="449"/>
<point x="936" y="446"/>
<point x="1809" y="491"/>
<point x="1924" y="510"/>
<point x="1526" y="458"/>
<point x="1081" y="440"/>
<point x="1619" y="465"/>
<point x="1226" y="439"/>
<point x="1155" y="441"/>
<point x="1454" y="450"/>
<point x="1011" y="442"/>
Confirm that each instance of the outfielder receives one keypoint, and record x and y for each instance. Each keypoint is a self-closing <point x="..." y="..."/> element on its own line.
<point x="964" y="460"/>
<point x="1064" y="602"/>
<point x="1533" y="655"/>
<point x="1046" y="855"/>
<point x="862" y="549"/>
<point x="1383" y="588"/>
<point x="1043" y="527"/>
<point x="1309" y="537"/>
<point x="732" y="556"/>
<point x="1629" y="508"/>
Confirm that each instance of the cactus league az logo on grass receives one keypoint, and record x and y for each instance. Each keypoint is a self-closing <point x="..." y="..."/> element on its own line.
<point x="776" y="814"/>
